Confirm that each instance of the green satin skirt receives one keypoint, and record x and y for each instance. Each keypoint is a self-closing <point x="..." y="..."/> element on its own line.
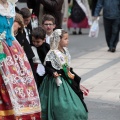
<point x="60" y="103"/>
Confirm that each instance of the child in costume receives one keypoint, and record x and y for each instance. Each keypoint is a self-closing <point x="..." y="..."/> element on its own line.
<point x="59" y="100"/>
<point x="40" y="50"/>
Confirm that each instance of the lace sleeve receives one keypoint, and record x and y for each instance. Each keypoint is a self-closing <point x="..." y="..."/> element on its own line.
<point x="53" y="59"/>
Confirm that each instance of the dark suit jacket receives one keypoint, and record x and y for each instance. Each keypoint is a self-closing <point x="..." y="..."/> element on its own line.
<point x="29" y="31"/>
<point x="42" y="51"/>
<point x="35" y="5"/>
<point x="24" y="43"/>
<point x="54" y="7"/>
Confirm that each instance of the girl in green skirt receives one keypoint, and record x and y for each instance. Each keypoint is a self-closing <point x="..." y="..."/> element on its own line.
<point x="60" y="94"/>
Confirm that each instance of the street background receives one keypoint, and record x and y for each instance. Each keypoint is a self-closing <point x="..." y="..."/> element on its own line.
<point x="100" y="73"/>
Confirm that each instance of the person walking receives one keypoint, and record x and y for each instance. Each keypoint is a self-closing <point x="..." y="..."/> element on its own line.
<point x="80" y="15"/>
<point x="54" y="8"/>
<point x="93" y="5"/>
<point x="19" y="97"/>
<point x="59" y="101"/>
<point x="35" y="6"/>
<point x="111" y="18"/>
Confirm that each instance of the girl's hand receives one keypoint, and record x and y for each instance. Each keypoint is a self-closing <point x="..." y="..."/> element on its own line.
<point x="84" y="90"/>
<point x="55" y="74"/>
<point x="70" y="75"/>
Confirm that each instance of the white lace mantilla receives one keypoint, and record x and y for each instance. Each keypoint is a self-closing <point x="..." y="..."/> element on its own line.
<point x="58" y="58"/>
<point x="10" y="11"/>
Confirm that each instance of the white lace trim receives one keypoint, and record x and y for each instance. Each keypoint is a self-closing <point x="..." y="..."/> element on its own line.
<point x="54" y="41"/>
<point x="53" y="59"/>
<point x="9" y="12"/>
<point x="58" y="59"/>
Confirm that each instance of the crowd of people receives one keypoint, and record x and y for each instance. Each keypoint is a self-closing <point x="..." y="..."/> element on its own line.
<point x="36" y="79"/>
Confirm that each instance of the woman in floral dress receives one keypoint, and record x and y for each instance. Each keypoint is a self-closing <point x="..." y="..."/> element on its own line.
<point x="19" y="98"/>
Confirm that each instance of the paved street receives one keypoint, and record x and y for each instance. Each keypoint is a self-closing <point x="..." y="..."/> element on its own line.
<point x="103" y="111"/>
<point x="100" y="72"/>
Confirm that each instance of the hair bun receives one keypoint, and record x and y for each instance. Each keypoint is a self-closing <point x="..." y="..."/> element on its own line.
<point x="58" y="31"/>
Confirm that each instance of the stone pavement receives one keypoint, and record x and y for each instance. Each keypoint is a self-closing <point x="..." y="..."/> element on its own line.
<point x="100" y="72"/>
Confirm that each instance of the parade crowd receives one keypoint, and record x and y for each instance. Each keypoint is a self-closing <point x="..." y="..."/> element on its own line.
<point x="36" y="79"/>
